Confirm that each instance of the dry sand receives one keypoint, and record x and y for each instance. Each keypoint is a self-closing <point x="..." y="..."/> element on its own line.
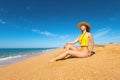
<point x="104" y="65"/>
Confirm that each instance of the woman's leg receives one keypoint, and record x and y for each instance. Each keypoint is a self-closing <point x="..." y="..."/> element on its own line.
<point x="62" y="56"/>
<point x="76" y="54"/>
<point x="71" y="47"/>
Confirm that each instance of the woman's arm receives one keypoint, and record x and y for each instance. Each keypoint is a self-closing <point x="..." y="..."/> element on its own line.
<point x="92" y="41"/>
<point x="73" y="41"/>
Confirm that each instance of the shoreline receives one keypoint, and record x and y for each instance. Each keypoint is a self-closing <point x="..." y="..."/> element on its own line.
<point x="103" y="65"/>
<point x="13" y="59"/>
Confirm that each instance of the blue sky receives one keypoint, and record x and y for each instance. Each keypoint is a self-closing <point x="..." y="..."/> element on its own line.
<point x="52" y="23"/>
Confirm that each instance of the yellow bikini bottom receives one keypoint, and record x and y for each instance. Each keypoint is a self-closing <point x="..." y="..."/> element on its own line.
<point x="84" y="50"/>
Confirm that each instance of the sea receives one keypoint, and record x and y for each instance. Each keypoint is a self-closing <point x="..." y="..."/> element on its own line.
<point x="12" y="55"/>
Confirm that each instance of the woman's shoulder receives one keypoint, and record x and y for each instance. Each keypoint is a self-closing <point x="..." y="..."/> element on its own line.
<point x="89" y="34"/>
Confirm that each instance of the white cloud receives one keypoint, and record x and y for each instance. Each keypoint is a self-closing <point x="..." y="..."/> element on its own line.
<point x="2" y="22"/>
<point x="107" y="39"/>
<point x="101" y="32"/>
<point x="35" y="30"/>
<point x="114" y="17"/>
<point x="63" y="36"/>
<point x="105" y="35"/>
<point x="46" y="33"/>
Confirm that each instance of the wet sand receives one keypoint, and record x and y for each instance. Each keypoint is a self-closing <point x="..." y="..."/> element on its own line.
<point x="104" y="65"/>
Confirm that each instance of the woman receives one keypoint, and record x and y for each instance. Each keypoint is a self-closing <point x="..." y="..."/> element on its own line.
<point x="82" y="51"/>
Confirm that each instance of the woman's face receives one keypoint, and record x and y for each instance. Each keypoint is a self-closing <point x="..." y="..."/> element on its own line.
<point x="83" y="27"/>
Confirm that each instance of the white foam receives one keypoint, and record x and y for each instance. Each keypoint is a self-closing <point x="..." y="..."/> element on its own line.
<point x="10" y="57"/>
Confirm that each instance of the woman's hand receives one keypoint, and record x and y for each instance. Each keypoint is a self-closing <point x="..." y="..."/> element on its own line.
<point x="65" y="45"/>
<point x="70" y="43"/>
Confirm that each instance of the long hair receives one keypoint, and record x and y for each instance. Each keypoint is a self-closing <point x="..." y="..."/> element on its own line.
<point x="87" y="29"/>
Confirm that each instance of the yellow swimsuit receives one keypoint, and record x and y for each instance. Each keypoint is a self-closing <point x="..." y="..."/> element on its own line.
<point x="84" y="41"/>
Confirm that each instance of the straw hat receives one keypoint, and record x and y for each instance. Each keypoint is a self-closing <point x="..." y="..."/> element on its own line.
<point x="84" y="23"/>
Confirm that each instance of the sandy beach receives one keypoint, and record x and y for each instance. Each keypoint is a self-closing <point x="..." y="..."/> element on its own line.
<point x="104" y="65"/>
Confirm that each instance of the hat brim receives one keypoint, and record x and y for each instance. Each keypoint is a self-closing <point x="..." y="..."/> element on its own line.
<point x="84" y="23"/>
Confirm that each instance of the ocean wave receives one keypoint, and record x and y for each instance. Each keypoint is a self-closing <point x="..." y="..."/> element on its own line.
<point x="10" y="57"/>
<point x="20" y="56"/>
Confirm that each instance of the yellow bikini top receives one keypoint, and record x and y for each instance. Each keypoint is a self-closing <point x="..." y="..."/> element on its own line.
<point x="83" y="39"/>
